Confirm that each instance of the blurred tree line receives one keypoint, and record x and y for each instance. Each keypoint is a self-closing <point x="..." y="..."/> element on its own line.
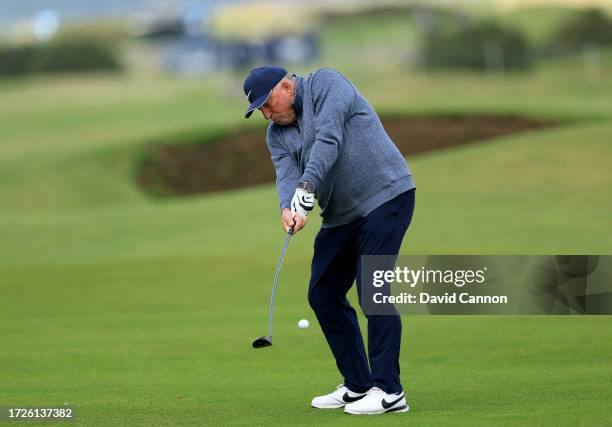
<point x="459" y="42"/>
<point x="449" y="40"/>
<point x="589" y="29"/>
<point x="74" y="49"/>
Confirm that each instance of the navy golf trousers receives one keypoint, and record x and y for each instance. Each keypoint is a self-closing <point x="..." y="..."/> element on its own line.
<point x="335" y="265"/>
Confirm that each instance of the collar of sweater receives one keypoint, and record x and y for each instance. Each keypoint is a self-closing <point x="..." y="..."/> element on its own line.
<point x="299" y="93"/>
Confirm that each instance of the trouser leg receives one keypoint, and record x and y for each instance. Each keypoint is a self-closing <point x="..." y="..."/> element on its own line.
<point x="381" y="233"/>
<point x="334" y="267"/>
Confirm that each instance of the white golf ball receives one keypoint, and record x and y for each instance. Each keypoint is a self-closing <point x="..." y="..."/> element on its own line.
<point x="303" y="324"/>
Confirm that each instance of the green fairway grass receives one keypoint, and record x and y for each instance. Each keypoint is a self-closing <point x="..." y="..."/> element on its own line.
<point x="167" y="341"/>
<point x="138" y="311"/>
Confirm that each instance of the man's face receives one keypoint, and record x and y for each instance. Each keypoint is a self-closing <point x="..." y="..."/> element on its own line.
<point x="279" y="106"/>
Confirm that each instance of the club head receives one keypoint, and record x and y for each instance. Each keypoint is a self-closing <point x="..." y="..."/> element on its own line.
<point x="262" y="342"/>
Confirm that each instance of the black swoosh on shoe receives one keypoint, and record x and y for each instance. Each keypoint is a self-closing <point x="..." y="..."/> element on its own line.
<point x="349" y="399"/>
<point x="388" y="405"/>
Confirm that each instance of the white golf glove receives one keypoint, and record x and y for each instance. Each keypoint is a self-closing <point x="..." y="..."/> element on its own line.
<point x="302" y="202"/>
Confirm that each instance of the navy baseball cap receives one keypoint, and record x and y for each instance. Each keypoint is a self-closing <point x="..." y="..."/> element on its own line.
<point x="259" y="84"/>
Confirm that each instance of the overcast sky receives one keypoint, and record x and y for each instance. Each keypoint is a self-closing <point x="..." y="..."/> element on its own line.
<point x="16" y="10"/>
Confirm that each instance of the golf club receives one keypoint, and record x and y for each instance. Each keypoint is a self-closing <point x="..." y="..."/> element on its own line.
<point x="266" y="341"/>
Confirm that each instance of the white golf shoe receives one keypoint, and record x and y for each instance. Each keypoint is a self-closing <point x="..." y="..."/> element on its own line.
<point x="377" y="401"/>
<point x="342" y="396"/>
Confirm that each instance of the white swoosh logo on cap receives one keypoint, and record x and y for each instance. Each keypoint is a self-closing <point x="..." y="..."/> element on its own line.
<point x="248" y="94"/>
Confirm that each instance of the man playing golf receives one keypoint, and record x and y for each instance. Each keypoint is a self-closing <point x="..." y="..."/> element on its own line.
<point x="327" y="142"/>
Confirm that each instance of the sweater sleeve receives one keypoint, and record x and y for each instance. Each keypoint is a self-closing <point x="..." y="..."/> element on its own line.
<point x="287" y="170"/>
<point x="333" y="97"/>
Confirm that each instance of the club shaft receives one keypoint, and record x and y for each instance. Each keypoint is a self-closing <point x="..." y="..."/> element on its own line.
<point x="278" y="268"/>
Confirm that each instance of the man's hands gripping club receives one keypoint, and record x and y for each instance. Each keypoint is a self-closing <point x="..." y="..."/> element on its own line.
<point x="301" y="205"/>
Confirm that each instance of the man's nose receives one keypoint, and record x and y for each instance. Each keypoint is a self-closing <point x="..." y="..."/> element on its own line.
<point x="266" y="113"/>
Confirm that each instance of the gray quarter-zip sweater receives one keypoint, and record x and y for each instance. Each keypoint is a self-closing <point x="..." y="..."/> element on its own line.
<point x="339" y="144"/>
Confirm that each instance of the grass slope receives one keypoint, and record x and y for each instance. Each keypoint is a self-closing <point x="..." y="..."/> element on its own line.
<point x="81" y="153"/>
<point x="540" y="195"/>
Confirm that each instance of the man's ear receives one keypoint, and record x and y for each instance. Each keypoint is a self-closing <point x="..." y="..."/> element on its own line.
<point x="287" y="86"/>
